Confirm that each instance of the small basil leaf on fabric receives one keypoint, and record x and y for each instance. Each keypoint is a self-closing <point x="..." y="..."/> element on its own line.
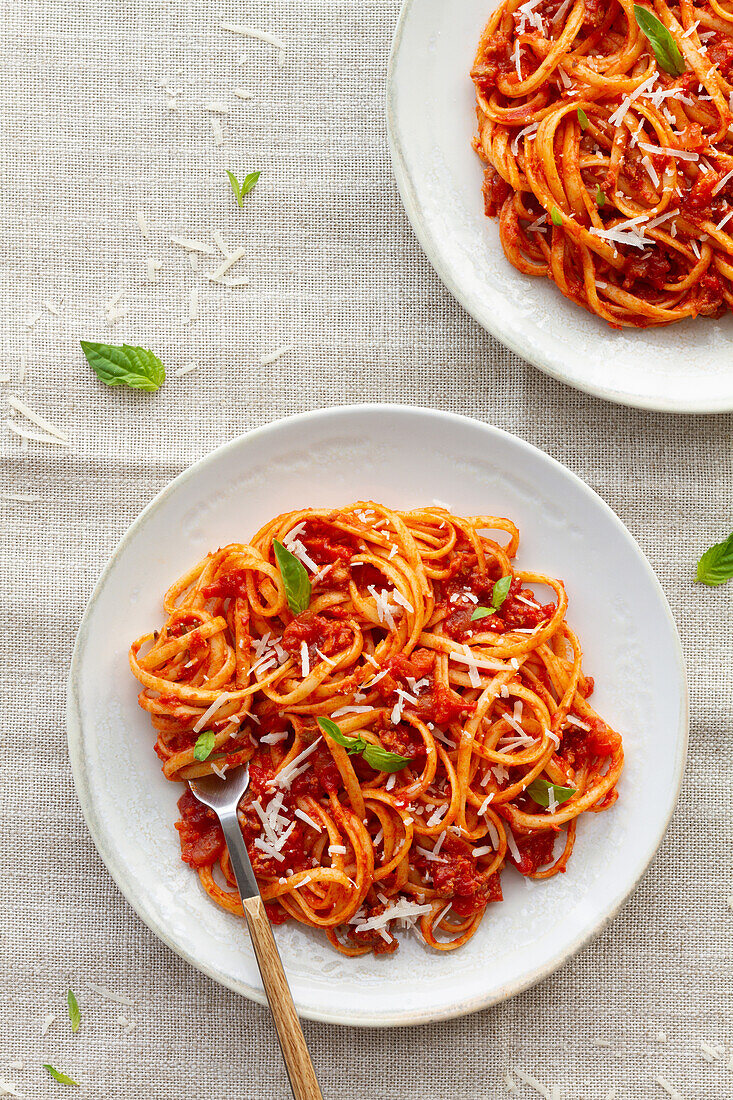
<point x="582" y="119"/>
<point x="666" y="50"/>
<point x="600" y="197"/>
<point x="74" y="1013"/>
<point x="60" y="1077"/>
<point x="384" y="761"/>
<point x="543" y="792"/>
<point x="716" y="564"/>
<point x="124" y="365"/>
<point x="243" y="188"/>
<point x="295" y="579"/>
<point x="377" y="757"/>
<point x="204" y="746"/>
<point x="555" y="216"/>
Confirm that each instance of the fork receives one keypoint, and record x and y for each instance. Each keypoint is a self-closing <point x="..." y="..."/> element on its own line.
<point x="223" y="797"/>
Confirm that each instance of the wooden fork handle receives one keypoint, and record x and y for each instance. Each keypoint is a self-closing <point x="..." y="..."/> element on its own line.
<point x="292" y="1041"/>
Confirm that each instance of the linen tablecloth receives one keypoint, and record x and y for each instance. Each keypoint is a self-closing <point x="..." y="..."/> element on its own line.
<point x="104" y="112"/>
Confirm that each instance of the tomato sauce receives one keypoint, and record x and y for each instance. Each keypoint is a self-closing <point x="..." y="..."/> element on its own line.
<point x="435" y="703"/>
<point x="495" y="190"/>
<point x="329" y="635"/>
<point x="460" y="879"/>
<point x="496" y="61"/>
<point x="512" y="615"/>
<point x="535" y="850"/>
<point x="579" y="746"/>
<point x="202" y="841"/>
<point x="228" y="585"/>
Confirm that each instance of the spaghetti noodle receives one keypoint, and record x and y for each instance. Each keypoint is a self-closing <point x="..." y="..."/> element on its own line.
<point x="421" y="651"/>
<point x="610" y="175"/>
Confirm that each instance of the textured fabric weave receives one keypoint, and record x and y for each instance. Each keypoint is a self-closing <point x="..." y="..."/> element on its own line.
<point x="88" y="139"/>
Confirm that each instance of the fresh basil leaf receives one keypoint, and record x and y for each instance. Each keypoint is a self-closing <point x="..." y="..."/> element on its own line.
<point x="555" y="216"/>
<point x="125" y="365"/>
<point x="716" y="564"/>
<point x="381" y="760"/>
<point x="235" y="186"/>
<point x="250" y="182"/>
<point x="501" y="591"/>
<point x="582" y="119"/>
<point x="665" y="48"/>
<point x="295" y="578"/>
<point x="351" y="744"/>
<point x="74" y="1013"/>
<point x="600" y="197"/>
<point x="540" y="790"/>
<point x="243" y="188"/>
<point x="204" y="746"/>
<point x="375" y="755"/>
<point x="60" y="1077"/>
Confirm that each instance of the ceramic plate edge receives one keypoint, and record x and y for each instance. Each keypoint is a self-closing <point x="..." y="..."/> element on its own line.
<point x="76" y="758"/>
<point x="494" y="325"/>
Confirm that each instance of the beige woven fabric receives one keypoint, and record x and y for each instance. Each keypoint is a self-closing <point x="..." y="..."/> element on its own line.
<point x="90" y="138"/>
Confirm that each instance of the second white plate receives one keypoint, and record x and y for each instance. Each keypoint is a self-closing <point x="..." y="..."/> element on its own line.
<point x="431" y="119"/>
<point x="404" y="457"/>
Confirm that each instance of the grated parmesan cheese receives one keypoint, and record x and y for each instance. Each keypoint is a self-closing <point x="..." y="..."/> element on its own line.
<point x="406" y="911"/>
<point x="142" y="221"/>
<point x="669" y="1089"/>
<point x="186" y="370"/>
<point x="225" y="695"/>
<point x="232" y="259"/>
<point x="36" y="418"/>
<point x="108" y="994"/>
<point x="292" y="770"/>
<point x="191" y="245"/>
<point x="218" y="131"/>
<point x="152" y="267"/>
<point x="308" y="820"/>
<point x="252" y="32"/>
<point x="273" y="357"/>
<point x="35" y="436"/>
<point x="667" y="150"/>
<point x="532" y="1082"/>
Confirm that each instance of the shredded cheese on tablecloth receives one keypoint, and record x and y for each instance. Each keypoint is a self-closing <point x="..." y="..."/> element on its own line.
<point x="277" y="354"/>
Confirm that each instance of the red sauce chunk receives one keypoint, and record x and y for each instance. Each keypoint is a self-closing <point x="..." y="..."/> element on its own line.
<point x="202" y="840"/>
<point x="579" y="746"/>
<point x="535" y="849"/>
<point x="328" y="635"/>
<point x="495" y="191"/>
<point x="497" y="59"/>
<point x="460" y="880"/>
<point x="228" y="585"/>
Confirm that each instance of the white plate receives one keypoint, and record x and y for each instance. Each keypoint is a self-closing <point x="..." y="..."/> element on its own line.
<point x="404" y="457"/>
<point x="431" y="118"/>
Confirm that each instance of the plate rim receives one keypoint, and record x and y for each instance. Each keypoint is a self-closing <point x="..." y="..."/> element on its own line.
<point x="74" y="723"/>
<point x="492" y="322"/>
